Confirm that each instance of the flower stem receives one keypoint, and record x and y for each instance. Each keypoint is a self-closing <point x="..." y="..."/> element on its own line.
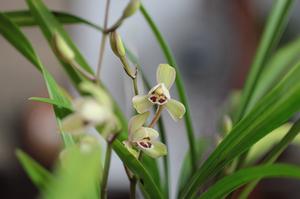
<point x="106" y="170"/>
<point x="156" y="116"/>
<point x="83" y="72"/>
<point x="103" y="41"/>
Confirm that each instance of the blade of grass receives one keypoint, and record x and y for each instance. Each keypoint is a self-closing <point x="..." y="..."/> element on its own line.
<point x="40" y="176"/>
<point x="77" y="176"/>
<point x="14" y="35"/>
<point x="24" y="18"/>
<point x="230" y="183"/>
<point x="271" y="35"/>
<point x="269" y="113"/>
<point x="276" y="67"/>
<point x="273" y="155"/>
<point x="179" y="84"/>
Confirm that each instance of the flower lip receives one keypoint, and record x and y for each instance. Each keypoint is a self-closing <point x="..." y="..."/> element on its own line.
<point x="145" y="143"/>
<point x="159" y="94"/>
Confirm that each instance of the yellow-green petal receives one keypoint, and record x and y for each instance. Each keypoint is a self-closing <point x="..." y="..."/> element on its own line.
<point x="73" y="124"/>
<point x="157" y="150"/>
<point x="144" y="132"/>
<point x="141" y="103"/>
<point x="166" y="74"/>
<point x="137" y="121"/>
<point x="91" y="110"/>
<point x="97" y="92"/>
<point x="176" y="109"/>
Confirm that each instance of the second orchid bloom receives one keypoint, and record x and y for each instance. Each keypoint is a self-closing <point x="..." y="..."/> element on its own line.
<point x="143" y="138"/>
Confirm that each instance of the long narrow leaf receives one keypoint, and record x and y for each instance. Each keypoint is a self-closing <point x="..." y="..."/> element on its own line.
<point x="14" y="35"/>
<point x="269" y="113"/>
<point x="273" y="155"/>
<point x="77" y="176"/>
<point x="275" y="68"/>
<point x="272" y="33"/>
<point x="24" y="18"/>
<point x="40" y="176"/>
<point x="228" y="184"/>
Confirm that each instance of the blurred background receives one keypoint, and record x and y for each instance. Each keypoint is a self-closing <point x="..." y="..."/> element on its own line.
<point x="213" y="41"/>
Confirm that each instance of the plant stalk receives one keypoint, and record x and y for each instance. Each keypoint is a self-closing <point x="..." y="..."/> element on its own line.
<point x="103" y="41"/>
<point x="106" y="170"/>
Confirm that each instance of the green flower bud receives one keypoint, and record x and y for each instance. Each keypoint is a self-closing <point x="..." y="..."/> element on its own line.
<point x="117" y="44"/>
<point x="227" y="124"/>
<point x="62" y="48"/>
<point x="131" y="8"/>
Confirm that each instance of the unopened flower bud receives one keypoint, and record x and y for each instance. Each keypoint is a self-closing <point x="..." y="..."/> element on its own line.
<point x="62" y="48"/>
<point x="227" y="124"/>
<point x="117" y="44"/>
<point x="131" y="8"/>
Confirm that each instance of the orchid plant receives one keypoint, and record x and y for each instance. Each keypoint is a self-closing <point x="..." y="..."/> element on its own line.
<point x="258" y="125"/>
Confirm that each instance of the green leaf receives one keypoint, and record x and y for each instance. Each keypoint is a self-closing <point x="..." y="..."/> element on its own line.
<point x="24" y="18"/>
<point x="14" y="35"/>
<point x="40" y="176"/>
<point x="269" y="113"/>
<point x="274" y="154"/>
<point x="52" y="102"/>
<point x="77" y="176"/>
<point x="279" y="64"/>
<point x="228" y="184"/>
<point x="273" y="31"/>
<point x="149" y="185"/>
<point x="259" y="149"/>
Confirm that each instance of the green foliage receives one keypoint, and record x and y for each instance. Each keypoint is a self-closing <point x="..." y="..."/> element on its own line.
<point x="257" y="116"/>
<point x="228" y="184"/>
<point x="77" y="176"/>
<point x="37" y="173"/>
<point x="270" y="112"/>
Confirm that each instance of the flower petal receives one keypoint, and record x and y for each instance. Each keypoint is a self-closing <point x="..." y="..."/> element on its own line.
<point x="176" y="109"/>
<point x="143" y="133"/>
<point x="74" y="124"/>
<point x="97" y="92"/>
<point x="91" y="110"/>
<point x="141" y="103"/>
<point x="137" y="121"/>
<point x="166" y="74"/>
<point x="157" y="149"/>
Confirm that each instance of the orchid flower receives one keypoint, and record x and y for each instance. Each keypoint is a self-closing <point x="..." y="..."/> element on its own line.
<point x="160" y="94"/>
<point x="91" y="111"/>
<point x="144" y="138"/>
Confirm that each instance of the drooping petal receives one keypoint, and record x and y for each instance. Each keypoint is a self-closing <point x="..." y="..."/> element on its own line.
<point x="156" y="150"/>
<point x="73" y="124"/>
<point x="176" y="109"/>
<point x="144" y="133"/>
<point x="96" y="92"/>
<point x="141" y="103"/>
<point x="137" y="121"/>
<point x="91" y="110"/>
<point x="166" y="74"/>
